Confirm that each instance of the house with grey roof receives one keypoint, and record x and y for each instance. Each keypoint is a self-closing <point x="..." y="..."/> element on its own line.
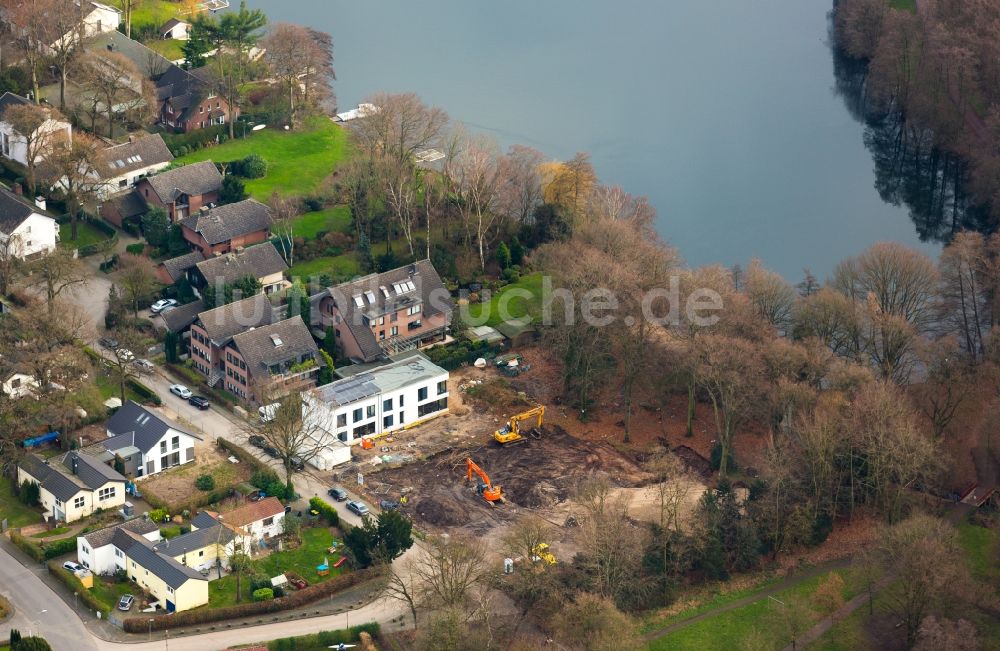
<point x="214" y="329"/>
<point x="95" y="551"/>
<point x="120" y="166"/>
<point x="73" y="485"/>
<point x="384" y="398"/>
<point x="176" y="586"/>
<point x="179" y="320"/>
<point x="145" y="442"/>
<point x="14" y="145"/>
<point x="262" y="364"/>
<point x="261" y="262"/>
<point x="182" y="191"/>
<point x="183" y="266"/>
<point x="25" y="231"/>
<point x="227" y="228"/>
<point x="386" y="313"/>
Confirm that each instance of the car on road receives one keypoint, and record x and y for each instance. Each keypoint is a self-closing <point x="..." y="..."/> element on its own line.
<point x="162" y="304"/>
<point x="144" y="365"/>
<point x="201" y="402"/>
<point x="338" y="494"/>
<point x="125" y="603"/>
<point x="297" y="463"/>
<point x="270" y="451"/>
<point x="108" y="342"/>
<point x="357" y="507"/>
<point x="72" y="567"/>
<point x="257" y="441"/>
<point x="180" y="391"/>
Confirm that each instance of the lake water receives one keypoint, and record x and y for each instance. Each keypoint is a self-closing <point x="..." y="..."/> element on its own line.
<point x="722" y="112"/>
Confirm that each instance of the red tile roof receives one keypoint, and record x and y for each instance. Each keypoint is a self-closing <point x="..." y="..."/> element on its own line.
<point x="253" y="511"/>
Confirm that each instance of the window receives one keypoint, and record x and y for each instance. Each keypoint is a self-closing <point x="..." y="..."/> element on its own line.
<point x="119" y="553"/>
<point x="422" y="393"/>
<point x="387" y="405"/>
<point x="201" y="553"/>
<point x="176" y="442"/>
<point x="163" y="447"/>
<point x="78" y="504"/>
<point x="341" y="420"/>
<point x="413" y="325"/>
<point x="381" y="320"/>
<point x="442" y="387"/>
<point x="371" y="411"/>
<point x="381" y="335"/>
<point x="106" y="493"/>
<point x="358" y="415"/>
<point x="387" y="421"/>
<point x="413" y="310"/>
<point x="123" y="183"/>
<point x="432" y="407"/>
<point x="201" y="109"/>
<point x="395" y="330"/>
<point x="58" y="502"/>
<point x="268" y="521"/>
<point x="401" y="398"/>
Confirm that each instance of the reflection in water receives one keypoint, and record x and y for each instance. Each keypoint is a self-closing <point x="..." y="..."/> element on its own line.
<point x="909" y="169"/>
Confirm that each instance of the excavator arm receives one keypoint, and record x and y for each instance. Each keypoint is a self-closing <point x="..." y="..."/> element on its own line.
<point x="511" y="433"/>
<point x="490" y="492"/>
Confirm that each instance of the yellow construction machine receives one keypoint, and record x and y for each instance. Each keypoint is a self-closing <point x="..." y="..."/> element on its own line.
<point x="510" y="434"/>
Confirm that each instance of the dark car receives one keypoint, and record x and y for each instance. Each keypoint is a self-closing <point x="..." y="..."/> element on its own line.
<point x="108" y="342"/>
<point x="338" y="494"/>
<point x="271" y="451"/>
<point x="257" y="441"/>
<point x="201" y="402"/>
<point x="297" y="463"/>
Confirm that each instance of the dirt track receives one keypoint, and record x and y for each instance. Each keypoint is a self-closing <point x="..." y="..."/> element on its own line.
<point x="539" y="475"/>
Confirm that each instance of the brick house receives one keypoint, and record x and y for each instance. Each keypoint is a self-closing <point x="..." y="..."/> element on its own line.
<point x="227" y="228"/>
<point x="212" y="331"/>
<point x="182" y="191"/>
<point x="262" y="262"/>
<point x="387" y="313"/>
<point x="273" y="360"/>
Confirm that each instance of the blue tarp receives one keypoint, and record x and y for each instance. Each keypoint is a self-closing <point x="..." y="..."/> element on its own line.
<point x="38" y="440"/>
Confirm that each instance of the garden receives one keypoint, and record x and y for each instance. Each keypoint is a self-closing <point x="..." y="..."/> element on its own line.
<point x="178" y="489"/>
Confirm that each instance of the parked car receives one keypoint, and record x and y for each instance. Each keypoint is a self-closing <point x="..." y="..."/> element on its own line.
<point x="388" y="505"/>
<point x="108" y="342"/>
<point x="338" y="494"/>
<point x="144" y="365"/>
<point x="159" y="305"/>
<point x="201" y="402"/>
<point x="357" y="507"/>
<point x="271" y="451"/>
<point x="125" y="603"/>
<point x="298" y="463"/>
<point x="267" y="412"/>
<point x="72" y="567"/>
<point x="125" y="355"/>
<point x="257" y="441"/>
<point x="180" y="391"/>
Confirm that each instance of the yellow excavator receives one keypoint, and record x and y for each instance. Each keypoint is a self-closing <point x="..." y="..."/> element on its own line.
<point x="510" y="434"/>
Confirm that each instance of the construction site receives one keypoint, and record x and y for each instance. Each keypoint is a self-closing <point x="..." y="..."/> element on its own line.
<point x="500" y="454"/>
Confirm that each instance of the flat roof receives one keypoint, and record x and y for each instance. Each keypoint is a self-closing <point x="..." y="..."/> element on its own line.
<point x="383" y="379"/>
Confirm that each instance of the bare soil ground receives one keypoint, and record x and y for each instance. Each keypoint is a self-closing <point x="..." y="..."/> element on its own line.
<point x="176" y="486"/>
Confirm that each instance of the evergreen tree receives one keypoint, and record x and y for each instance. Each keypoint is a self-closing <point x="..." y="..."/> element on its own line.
<point x="516" y="251"/>
<point x="503" y="256"/>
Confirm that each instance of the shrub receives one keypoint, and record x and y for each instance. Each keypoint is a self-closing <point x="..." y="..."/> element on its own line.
<point x="328" y="512"/>
<point x="159" y="515"/>
<point x="29" y="493"/>
<point x="293" y="600"/>
<point x="33" y="643"/>
<point x="58" y="548"/>
<point x="205" y="483"/>
<point x="144" y="392"/>
<point x="263" y="594"/>
<point x="28" y="547"/>
<point x="135" y="249"/>
<point x="253" y="167"/>
<point x="245" y="457"/>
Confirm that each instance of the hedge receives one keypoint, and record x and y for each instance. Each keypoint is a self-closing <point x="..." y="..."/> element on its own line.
<point x="45" y="550"/>
<point x="144" y="392"/>
<point x="242" y="454"/>
<point x="195" y="140"/>
<point x="328" y="512"/>
<point x="324" y="639"/>
<point x="294" y="600"/>
<point x="192" y="504"/>
<point x="452" y="356"/>
<point x="263" y="594"/>
<point x="89" y="599"/>
<point x="28" y="547"/>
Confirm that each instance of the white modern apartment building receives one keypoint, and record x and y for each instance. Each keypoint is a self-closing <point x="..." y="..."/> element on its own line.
<point x="376" y="401"/>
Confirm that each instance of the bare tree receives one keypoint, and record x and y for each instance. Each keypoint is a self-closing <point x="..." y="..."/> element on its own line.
<point x="399" y="186"/>
<point x="117" y="83"/>
<point x="301" y="58"/>
<point x="612" y="202"/>
<point x="946" y="384"/>
<point x="966" y="285"/>
<point x="121" y="360"/>
<point x="524" y="193"/>
<point x="297" y="430"/>
<point x="11" y="254"/>
<point x="935" y="634"/>
<point x="674" y="484"/>
<point x="137" y="278"/>
<point x="400" y="125"/>
<point x="71" y="169"/>
<point x="37" y="132"/>
<point x="593" y="623"/>
<point x="771" y="296"/>
<point x="449" y="571"/>
<point x="284" y="210"/>
<point x="128" y="8"/>
<point x="480" y="175"/>
<point x="402" y="585"/>
<point x="67" y="21"/>
<point x="34" y="34"/>
<point x="54" y="272"/>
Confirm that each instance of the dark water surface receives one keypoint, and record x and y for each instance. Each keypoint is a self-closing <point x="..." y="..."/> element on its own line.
<point x="722" y="112"/>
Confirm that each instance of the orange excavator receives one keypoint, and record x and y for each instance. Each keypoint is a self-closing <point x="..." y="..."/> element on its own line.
<point x="510" y="434"/>
<point x="490" y="493"/>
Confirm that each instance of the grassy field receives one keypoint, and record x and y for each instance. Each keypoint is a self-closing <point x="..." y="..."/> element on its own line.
<point x="58" y="531"/>
<point x="906" y="5"/>
<point x="302" y="560"/>
<point x="309" y="224"/>
<point x="764" y="620"/>
<point x="111" y="591"/>
<point x="108" y="388"/>
<point x="712" y="603"/>
<point x="11" y="508"/>
<point x="980" y="546"/>
<point x="340" y="267"/>
<point x="152" y="12"/>
<point x="297" y="161"/>
<point x="167" y="47"/>
<point x="85" y="235"/>
<point x="514" y="306"/>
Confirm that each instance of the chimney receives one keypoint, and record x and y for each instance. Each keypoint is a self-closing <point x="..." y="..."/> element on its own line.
<point x="76" y="463"/>
<point x="111" y="47"/>
<point x="18" y="190"/>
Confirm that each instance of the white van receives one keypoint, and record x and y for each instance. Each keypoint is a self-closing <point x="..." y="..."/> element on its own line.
<point x="267" y="412"/>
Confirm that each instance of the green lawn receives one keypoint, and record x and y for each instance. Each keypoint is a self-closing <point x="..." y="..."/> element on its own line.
<point x="514" y="306"/>
<point x="302" y="560"/>
<point x="714" y="602"/>
<point x="152" y="12"/>
<point x="108" y="388"/>
<point x="167" y="47"/>
<point x="906" y="5"/>
<point x="846" y="635"/>
<point x="980" y="546"/>
<point x="11" y="508"/>
<point x="308" y="225"/>
<point x="86" y="234"/>
<point x="58" y="531"/>
<point x="297" y="161"/>
<point x="764" y="618"/>
<point x="340" y="267"/>
<point x="111" y="591"/>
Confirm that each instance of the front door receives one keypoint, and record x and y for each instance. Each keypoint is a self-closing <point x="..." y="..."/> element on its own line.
<point x="170" y="606"/>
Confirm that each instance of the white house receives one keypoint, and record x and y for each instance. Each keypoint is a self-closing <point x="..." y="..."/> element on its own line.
<point x="13" y="145"/>
<point x="397" y="395"/>
<point x="73" y="485"/>
<point x="176" y="29"/>
<point x="146" y="442"/>
<point x="120" y="166"/>
<point x="24" y="231"/>
<point x="96" y="552"/>
<point x="257" y="520"/>
<point x="99" y="18"/>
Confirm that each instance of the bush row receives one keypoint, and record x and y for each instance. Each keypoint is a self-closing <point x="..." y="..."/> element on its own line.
<point x="328" y="512"/>
<point x="26" y="546"/>
<point x="293" y="600"/>
<point x="144" y="392"/>
<point x="183" y="143"/>
<point x="193" y="504"/>
<point x="89" y="599"/>
<point x="45" y="550"/>
<point x="464" y="352"/>
<point x="323" y="639"/>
